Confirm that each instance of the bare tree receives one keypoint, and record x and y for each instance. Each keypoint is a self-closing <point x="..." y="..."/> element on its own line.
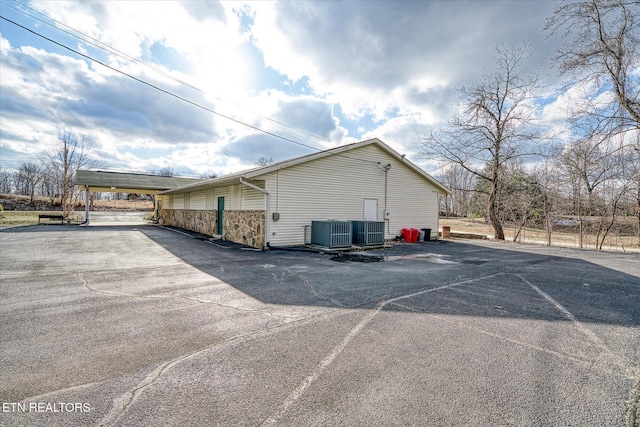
<point x="166" y="171"/>
<point x="595" y="165"/>
<point x="71" y="153"/>
<point x="612" y="198"/>
<point x="494" y="127"/>
<point x="29" y="174"/>
<point x="264" y="161"/>
<point x="549" y="178"/>
<point x="592" y="162"/>
<point x="461" y="182"/>
<point x="631" y="174"/>
<point x="207" y="175"/>
<point x="521" y="198"/>
<point x="50" y="184"/>
<point x="5" y="181"/>
<point x="601" y="48"/>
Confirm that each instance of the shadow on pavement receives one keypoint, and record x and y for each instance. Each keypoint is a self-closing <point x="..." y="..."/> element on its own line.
<point x="443" y="277"/>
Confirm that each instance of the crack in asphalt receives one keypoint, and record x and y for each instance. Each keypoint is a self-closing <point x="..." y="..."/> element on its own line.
<point x="315" y="293"/>
<point x="123" y="403"/>
<point x="265" y="311"/>
<point x="43" y="396"/>
<point x="309" y="286"/>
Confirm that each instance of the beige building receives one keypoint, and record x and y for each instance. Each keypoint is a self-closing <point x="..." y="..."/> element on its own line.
<point x="275" y="205"/>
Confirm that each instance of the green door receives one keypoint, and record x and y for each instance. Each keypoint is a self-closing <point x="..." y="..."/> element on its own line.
<point x="220" y="210"/>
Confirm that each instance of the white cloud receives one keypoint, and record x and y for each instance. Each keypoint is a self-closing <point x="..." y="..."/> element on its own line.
<point x="339" y="70"/>
<point x="360" y="53"/>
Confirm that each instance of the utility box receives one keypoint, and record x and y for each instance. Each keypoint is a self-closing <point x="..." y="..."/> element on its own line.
<point x="368" y="232"/>
<point x="331" y="234"/>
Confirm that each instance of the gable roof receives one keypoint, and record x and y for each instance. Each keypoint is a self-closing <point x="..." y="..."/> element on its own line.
<point x="234" y="178"/>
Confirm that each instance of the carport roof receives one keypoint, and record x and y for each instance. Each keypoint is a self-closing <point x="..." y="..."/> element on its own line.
<point x="121" y="182"/>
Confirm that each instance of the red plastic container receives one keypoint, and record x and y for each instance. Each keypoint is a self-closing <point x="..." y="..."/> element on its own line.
<point x="406" y="234"/>
<point x="415" y="234"/>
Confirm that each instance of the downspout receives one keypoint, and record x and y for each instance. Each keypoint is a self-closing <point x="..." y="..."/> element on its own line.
<point x="438" y="197"/>
<point x="386" y="177"/>
<point x="385" y="214"/>
<point x="267" y="209"/>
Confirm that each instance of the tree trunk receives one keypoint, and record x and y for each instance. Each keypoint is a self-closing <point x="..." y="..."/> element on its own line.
<point x="548" y="226"/>
<point x="493" y="213"/>
<point x="638" y="207"/>
<point x="519" y="228"/>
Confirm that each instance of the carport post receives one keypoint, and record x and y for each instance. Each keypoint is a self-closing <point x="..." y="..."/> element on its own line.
<point x="86" y="205"/>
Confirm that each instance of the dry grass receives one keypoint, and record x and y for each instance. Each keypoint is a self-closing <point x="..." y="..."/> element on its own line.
<point x="565" y="237"/>
<point x="28" y="217"/>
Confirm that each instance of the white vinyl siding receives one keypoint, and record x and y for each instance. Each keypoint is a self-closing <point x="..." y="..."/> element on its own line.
<point x="197" y="200"/>
<point x="334" y="187"/>
<point x="178" y="201"/>
<point x="237" y="197"/>
<point x="234" y="203"/>
<point x="413" y="202"/>
<point x="210" y="203"/>
<point x="252" y="199"/>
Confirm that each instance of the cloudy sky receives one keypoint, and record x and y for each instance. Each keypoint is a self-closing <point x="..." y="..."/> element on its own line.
<point x="246" y="79"/>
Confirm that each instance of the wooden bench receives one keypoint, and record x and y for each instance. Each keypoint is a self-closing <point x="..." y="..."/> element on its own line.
<point x="51" y="216"/>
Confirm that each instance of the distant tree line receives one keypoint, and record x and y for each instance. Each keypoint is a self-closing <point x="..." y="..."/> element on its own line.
<point x="53" y="176"/>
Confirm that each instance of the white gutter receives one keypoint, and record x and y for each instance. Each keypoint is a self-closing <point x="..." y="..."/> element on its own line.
<point x="267" y="209"/>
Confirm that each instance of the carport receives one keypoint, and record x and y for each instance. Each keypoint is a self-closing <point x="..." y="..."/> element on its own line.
<point x="125" y="182"/>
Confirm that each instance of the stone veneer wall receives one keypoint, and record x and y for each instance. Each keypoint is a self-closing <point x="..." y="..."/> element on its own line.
<point x="204" y="222"/>
<point x="244" y="227"/>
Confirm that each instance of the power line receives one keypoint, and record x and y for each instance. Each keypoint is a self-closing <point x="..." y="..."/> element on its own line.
<point x="101" y="45"/>
<point x="169" y="92"/>
<point x="93" y="41"/>
<point x="161" y="89"/>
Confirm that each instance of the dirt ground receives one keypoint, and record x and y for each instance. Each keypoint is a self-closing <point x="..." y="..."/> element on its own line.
<point x="561" y="237"/>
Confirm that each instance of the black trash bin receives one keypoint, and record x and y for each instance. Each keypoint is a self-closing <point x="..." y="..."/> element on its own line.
<point x="427" y="234"/>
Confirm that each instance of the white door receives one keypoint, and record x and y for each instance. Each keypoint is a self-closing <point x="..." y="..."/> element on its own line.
<point x="370" y="209"/>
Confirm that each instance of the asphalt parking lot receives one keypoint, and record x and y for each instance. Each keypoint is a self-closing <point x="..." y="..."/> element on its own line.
<point x="136" y="325"/>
